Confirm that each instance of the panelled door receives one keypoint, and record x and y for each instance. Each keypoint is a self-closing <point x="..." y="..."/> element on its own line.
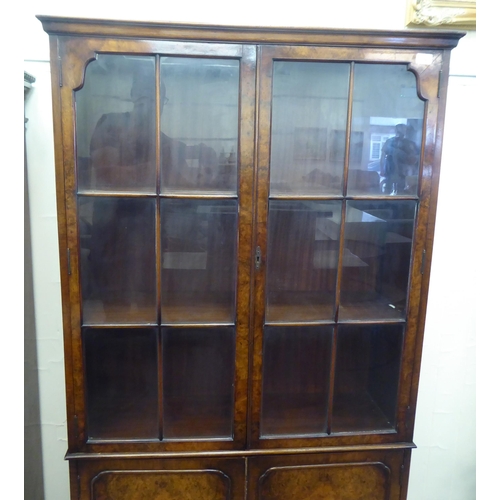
<point x="367" y="475"/>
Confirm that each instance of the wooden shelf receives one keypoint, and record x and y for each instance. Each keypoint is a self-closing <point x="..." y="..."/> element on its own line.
<point x="358" y="412"/>
<point x="196" y="313"/>
<point x="309" y="307"/>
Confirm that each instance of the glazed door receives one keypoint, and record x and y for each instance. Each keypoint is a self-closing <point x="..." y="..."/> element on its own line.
<point x="163" y="189"/>
<point x="340" y="144"/>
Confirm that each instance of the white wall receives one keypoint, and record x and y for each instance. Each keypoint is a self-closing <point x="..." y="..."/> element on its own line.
<point x="443" y="465"/>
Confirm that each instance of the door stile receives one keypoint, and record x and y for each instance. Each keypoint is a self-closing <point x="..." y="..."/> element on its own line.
<point x="70" y="327"/>
<point x="434" y="93"/>
<point x="245" y="241"/>
<point x="263" y="133"/>
<point x="69" y="76"/>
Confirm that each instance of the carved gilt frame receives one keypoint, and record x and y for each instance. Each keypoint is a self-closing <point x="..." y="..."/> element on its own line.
<point x="441" y="13"/>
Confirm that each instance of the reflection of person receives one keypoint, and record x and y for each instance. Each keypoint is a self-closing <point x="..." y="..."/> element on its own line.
<point x="398" y="159"/>
<point x="123" y="157"/>
<point x="123" y="151"/>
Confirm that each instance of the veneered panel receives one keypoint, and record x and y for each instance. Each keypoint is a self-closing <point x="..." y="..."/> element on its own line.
<point x="326" y="482"/>
<point x="161" y="485"/>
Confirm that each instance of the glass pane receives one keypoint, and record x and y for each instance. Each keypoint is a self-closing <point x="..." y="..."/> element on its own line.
<point x="309" y="115"/>
<point x="198" y="260"/>
<point x="376" y="259"/>
<point x="121" y="383"/>
<point x="296" y="367"/>
<point x="115" y="125"/>
<point x="366" y="377"/>
<point x="198" y="382"/>
<point x="117" y="255"/>
<point x="199" y="124"/>
<point x="303" y="243"/>
<point x="386" y="135"/>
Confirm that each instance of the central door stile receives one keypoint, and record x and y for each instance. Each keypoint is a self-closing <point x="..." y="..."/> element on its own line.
<point x="246" y="208"/>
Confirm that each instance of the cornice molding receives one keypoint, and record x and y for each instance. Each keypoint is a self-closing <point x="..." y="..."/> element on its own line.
<point x="106" y="28"/>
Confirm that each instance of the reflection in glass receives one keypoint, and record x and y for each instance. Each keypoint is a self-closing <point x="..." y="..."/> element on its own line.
<point x="198" y="379"/>
<point x="117" y="255"/>
<point x="121" y="383"/>
<point x="199" y="124"/>
<point x="366" y="377"/>
<point x="198" y="260"/>
<point x="296" y="367"/>
<point x="386" y="135"/>
<point x="303" y="243"/>
<point x="379" y="235"/>
<point x="309" y="114"/>
<point x="115" y="125"/>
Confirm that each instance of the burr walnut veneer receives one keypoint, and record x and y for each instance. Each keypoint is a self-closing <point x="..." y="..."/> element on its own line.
<point x="245" y="222"/>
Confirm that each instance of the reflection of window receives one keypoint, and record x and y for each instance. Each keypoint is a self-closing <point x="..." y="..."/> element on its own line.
<point x="376" y="143"/>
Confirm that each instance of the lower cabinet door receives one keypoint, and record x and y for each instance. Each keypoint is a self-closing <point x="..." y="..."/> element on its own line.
<point x="368" y="475"/>
<point x="154" y="479"/>
<point x="332" y="476"/>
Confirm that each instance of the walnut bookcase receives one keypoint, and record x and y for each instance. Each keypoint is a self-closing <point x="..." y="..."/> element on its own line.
<point x="246" y="220"/>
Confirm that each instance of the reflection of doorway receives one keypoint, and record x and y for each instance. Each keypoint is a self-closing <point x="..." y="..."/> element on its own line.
<point x="309" y="143"/>
<point x="337" y="151"/>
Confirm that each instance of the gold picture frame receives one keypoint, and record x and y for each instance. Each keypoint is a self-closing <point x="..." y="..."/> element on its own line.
<point x="441" y="14"/>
